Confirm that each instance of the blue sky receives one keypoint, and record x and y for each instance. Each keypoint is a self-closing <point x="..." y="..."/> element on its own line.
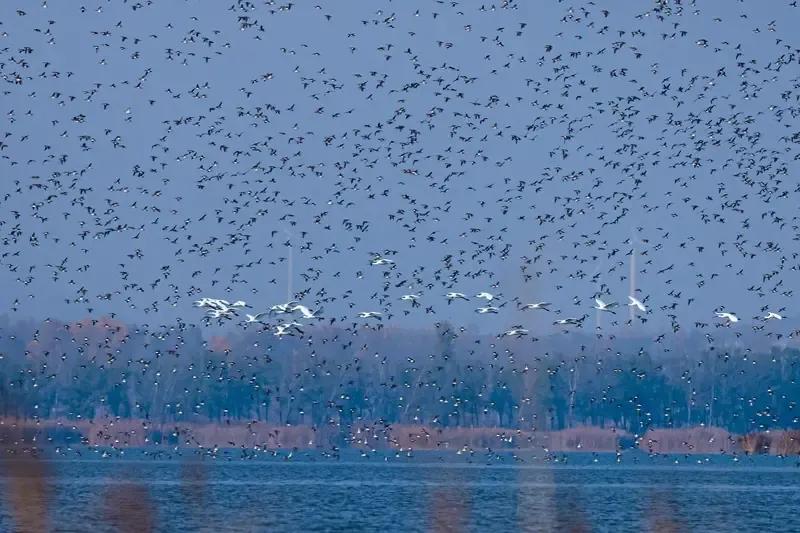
<point x="160" y="150"/>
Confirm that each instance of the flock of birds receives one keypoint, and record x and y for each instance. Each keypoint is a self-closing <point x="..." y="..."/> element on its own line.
<point x="223" y="309"/>
<point x="146" y="163"/>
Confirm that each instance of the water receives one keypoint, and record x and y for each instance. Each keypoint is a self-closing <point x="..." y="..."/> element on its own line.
<point x="427" y="492"/>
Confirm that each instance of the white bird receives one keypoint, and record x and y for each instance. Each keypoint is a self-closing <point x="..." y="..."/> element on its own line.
<point x="380" y="261"/>
<point x="485" y="295"/>
<point x="569" y="321"/>
<point x="454" y="295"/>
<point x="370" y="314"/>
<point x="487" y="309"/>
<point x="413" y="298"/>
<point x="600" y="305"/>
<point x="772" y="315"/>
<point x="221" y="313"/>
<point x="516" y="331"/>
<point x="239" y="303"/>
<point x="253" y="318"/>
<point x="730" y="317"/>
<point x="537" y="305"/>
<point x="637" y="304"/>
<point x="305" y="311"/>
<point x="281" y="308"/>
<point x="212" y="303"/>
<point x="290" y="328"/>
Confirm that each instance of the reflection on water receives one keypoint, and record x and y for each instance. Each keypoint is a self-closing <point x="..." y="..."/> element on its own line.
<point x="129" y="508"/>
<point x="426" y="493"/>
<point x="663" y="512"/>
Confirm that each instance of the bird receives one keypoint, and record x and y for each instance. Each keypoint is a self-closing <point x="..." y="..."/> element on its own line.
<point x="570" y="321"/>
<point x="289" y="328"/>
<point x="537" y="305"/>
<point x="516" y="331"/>
<point x="370" y="314"/>
<point x="221" y="313"/>
<point x="771" y="315"/>
<point x="282" y="308"/>
<point x="456" y="296"/>
<point x="485" y="295"/>
<point x="305" y="311"/>
<point x="730" y="317"/>
<point x="487" y="309"/>
<point x="380" y="261"/>
<point x="600" y="305"/>
<point x="637" y="304"/>
<point x="253" y="318"/>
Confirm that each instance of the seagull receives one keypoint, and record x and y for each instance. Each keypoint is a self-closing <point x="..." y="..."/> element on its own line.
<point x="281" y="308"/>
<point x="290" y="328"/>
<point x="413" y="298"/>
<point x="305" y="311"/>
<point x="602" y="306"/>
<point x="730" y="317"/>
<point x="537" y="305"/>
<point x="772" y="315"/>
<point x="370" y="314"/>
<point x="516" y="331"/>
<point x="485" y="295"/>
<point x="253" y="318"/>
<point x="379" y="261"/>
<point x="212" y="302"/>
<point x="570" y="321"/>
<point x="637" y="304"/>
<point x="221" y="313"/>
<point x="454" y="295"/>
<point x="487" y="309"/>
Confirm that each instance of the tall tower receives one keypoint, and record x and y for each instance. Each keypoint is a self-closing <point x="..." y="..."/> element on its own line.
<point x="289" y="266"/>
<point x="289" y="274"/>
<point x="632" y="281"/>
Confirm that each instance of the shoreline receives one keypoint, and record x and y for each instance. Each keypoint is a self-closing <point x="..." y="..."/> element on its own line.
<point x="139" y="433"/>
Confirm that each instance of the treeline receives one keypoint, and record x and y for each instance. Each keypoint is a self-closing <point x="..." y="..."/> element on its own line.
<point x="445" y="377"/>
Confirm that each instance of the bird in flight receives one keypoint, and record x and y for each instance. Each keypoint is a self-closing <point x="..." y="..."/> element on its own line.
<point x="634" y="302"/>
<point x="600" y="305"/>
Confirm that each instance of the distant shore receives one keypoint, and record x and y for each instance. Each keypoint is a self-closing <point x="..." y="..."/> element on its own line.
<point x="137" y="433"/>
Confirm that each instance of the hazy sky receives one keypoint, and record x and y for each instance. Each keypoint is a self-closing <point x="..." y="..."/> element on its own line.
<point x="154" y="152"/>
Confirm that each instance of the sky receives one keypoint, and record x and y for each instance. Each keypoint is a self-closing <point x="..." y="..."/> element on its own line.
<point x="156" y="152"/>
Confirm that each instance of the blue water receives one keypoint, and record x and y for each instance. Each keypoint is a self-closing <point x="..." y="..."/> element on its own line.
<point x="308" y="491"/>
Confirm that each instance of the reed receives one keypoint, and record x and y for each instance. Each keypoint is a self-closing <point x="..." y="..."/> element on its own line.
<point x="755" y="443"/>
<point x="700" y="439"/>
<point x="785" y="443"/>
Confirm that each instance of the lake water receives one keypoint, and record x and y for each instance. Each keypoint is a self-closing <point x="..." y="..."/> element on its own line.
<point x="308" y="491"/>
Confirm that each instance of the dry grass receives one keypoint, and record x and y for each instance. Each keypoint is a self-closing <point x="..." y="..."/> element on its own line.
<point x="584" y="438"/>
<point x="118" y="433"/>
<point x="136" y="433"/>
<point x="701" y="439"/>
<point x="755" y="443"/>
<point x="785" y="443"/>
<point x="407" y="437"/>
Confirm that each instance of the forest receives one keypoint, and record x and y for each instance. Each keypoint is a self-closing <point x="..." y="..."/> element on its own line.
<point x="445" y="377"/>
